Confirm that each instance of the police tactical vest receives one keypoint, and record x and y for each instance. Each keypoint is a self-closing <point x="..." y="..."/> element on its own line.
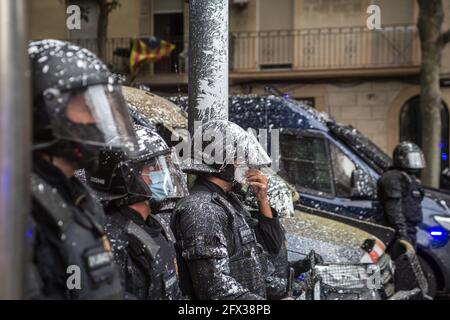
<point x="76" y="239"/>
<point x="412" y="198"/>
<point x="247" y="260"/>
<point x="159" y="264"/>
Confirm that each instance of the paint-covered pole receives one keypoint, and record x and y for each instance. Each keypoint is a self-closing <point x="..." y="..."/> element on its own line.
<point x="208" y="61"/>
<point x="15" y="127"/>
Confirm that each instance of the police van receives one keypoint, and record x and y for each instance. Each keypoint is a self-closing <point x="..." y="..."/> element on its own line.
<point x="335" y="169"/>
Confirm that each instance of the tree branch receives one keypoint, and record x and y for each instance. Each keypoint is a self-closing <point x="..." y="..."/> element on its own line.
<point x="444" y="38"/>
<point x="112" y="5"/>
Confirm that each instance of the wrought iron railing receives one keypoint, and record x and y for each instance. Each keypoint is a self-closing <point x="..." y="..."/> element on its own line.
<point x="326" y="48"/>
<point x="304" y="49"/>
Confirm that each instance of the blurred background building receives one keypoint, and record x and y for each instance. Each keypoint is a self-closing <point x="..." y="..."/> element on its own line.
<point x="318" y="51"/>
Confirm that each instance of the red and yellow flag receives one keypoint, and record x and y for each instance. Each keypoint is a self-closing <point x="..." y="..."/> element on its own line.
<point x="148" y="50"/>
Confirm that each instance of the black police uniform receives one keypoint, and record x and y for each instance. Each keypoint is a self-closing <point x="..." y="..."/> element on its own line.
<point x="164" y="213"/>
<point x="64" y="235"/>
<point x="268" y="231"/>
<point x="145" y="253"/>
<point x="401" y="196"/>
<point x="221" y="258"/>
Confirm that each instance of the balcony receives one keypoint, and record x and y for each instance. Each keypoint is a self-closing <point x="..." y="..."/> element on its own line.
<point x="288" y="54"/>
<point x="325" y="52"/>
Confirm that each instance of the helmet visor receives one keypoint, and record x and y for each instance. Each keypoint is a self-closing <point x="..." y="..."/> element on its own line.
<point x="98" y="115"/>
<point x="415" y="160"/>
<point x="159" y="178"/>
<point x="166" y="179"/>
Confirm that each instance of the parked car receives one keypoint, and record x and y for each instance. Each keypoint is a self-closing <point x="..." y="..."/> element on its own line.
<point x="356" y="263"/>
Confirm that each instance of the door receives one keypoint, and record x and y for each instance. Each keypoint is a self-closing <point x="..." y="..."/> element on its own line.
<point x="168" y="26"/>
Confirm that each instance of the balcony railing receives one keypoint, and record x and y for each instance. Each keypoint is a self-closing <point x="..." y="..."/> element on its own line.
<point x="325" y="48"/>
<point x="296" y="50"/>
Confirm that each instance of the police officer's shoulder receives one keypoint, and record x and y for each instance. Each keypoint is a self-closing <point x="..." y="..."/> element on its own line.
<point x="115" y="224"/>
<point x="395" y="176"/>
<point x="195" y="199"/>
<point x="391" y="182"/>
<point x="199" y="206"/>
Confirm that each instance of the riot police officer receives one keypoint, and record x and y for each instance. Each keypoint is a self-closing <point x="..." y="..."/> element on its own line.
<point x="400" y="192"/>
<point x="131" y="186"/>
<point x="77" y="109"/>
<point x="221" y="258"/>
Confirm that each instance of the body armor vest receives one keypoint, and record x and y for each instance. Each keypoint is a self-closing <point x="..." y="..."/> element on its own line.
<point x="73" y="239"/>
<point x="158" y="262"/>
<point x="412" y="197"/>
<point x="247" y="259"/>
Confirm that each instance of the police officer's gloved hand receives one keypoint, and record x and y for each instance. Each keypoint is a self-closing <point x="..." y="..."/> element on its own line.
<point x="304" y="265"/>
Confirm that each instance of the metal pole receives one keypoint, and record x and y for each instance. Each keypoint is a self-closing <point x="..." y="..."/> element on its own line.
<point x="208" y="61"/>
<point x="15" y="125"/>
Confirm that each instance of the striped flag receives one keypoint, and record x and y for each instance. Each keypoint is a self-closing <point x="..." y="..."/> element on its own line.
<point x="148" y="50"/>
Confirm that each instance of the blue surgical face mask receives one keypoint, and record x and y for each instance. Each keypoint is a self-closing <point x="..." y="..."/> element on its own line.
<point x="160" y="185"/>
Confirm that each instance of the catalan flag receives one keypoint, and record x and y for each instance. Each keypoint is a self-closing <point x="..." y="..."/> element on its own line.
<point x="148" y="50"/>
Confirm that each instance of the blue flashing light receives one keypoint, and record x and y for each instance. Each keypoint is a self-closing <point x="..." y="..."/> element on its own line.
<point x="28" y="233"/>
<point x="441" y="145"/>
<point x="444" y="156"/>
<point x="438" y="234"/>
<point x="301" y="277"/>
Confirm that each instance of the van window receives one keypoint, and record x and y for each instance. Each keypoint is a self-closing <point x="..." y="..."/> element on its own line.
<point x="305" y="162"/>
<point x="343" y="168"/>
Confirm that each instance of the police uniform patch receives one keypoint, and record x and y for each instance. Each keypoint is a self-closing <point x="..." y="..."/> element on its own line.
<point x="97" y="257"/>
<point x="246" y="234"/>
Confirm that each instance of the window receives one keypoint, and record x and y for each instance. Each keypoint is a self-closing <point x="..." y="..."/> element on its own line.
<point x="305" y="163"/>
<point x="343" y="168"/>
<point x="275" y="20"/>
